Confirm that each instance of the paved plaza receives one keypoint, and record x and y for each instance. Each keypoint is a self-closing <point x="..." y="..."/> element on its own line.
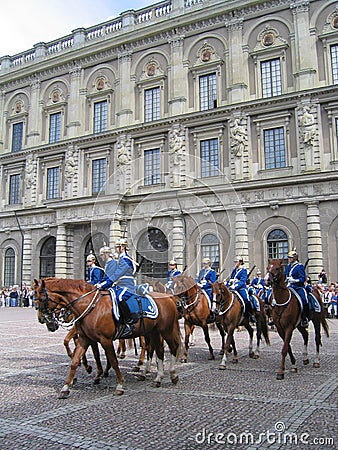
<point x="242" y="407"/>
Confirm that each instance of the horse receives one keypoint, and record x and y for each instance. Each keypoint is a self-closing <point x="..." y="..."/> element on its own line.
<point x="286" y="313"/>
<point x="194" y="305"/>
<point x="92" y="309"/>
<point x="230" y="314"/>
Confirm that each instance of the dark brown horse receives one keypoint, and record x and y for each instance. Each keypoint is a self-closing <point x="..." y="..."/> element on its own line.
<point x="95" y="323"/>
<point x="286" y="314"/>
<point x="231" y="315"/>
<point x="194" y="304"/>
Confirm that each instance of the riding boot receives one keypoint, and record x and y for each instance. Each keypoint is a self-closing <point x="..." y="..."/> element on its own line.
<point x="127" y="331"/>
<point x="304" y="322"/>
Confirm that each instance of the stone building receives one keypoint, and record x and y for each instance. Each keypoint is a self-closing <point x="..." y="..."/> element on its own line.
<point x="192" y="127"/>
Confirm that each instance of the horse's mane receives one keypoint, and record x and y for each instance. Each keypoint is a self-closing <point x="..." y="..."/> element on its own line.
<point x="68" y="284"/>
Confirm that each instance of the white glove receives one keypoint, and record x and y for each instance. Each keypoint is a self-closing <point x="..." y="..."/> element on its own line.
<point x="203" y="283"/>
<point x="200" y="284"/>
<point x="98" y="285"/>
<point x="291" y="280"/>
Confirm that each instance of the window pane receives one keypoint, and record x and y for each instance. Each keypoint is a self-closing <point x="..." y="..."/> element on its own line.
<point x="210" y="249"/>
<point x="277" y="242"/>
<point x="9" y="269"/>
<point x="99" y="175"/>
<point x="100" y="117"/>
<point x="47" y="258"/>
<point x="208" y="92"/>
<point x="53" y="183"/>
<point x="274" y="148"/>
<point x="334" y="63"/>
<point x="271" y="78"/>
<point x="17" y="137"/>
<point x="209" y="158"/>
<point x="54" y="127"/>
<point x="14" y="189"/>
<point x="151" y="104"/>
<point x="152" y="167"/>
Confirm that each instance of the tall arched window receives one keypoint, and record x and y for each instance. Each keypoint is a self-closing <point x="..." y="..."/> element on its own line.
<point x="278" y="244"/>
<point x="9" y="269"/>
<point x="47" y="258"/>
<point x="153" y="249"/>
<point x="210" y="249"/>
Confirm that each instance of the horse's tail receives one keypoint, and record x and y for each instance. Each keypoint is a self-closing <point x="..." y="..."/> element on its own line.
<point x="264" y="322"/>
<point x="324" y="323"/>
<point x="323" y="320"/>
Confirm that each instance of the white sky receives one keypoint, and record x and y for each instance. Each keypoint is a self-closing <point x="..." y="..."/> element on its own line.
<point x="24" y="23"/>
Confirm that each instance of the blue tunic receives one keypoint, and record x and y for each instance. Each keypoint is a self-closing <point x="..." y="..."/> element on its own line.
<point x="94" y="274"/>
<point x="238" y="280"/>
<point x="296" y="271"/>
<point x="171" y="274"/>
<point x="120" y="272"/>
<point x="204" y="276"/>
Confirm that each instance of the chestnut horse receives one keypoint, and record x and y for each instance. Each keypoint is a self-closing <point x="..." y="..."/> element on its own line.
<point x="92" y="309"/>
<point x="194" y="304"/>
<point x="286" y="313"/>
<point x="230" y="314"/>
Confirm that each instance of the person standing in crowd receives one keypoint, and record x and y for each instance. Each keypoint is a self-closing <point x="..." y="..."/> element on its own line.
<point x="173" y="272"/>
<point x="322" y="277"/>
<point x="94" y="272"/>
<point x="295" y="278"/>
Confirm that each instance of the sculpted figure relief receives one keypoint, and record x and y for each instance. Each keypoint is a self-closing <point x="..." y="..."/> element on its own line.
<point x="307" y="126"/>
<point x="238" y="137"/>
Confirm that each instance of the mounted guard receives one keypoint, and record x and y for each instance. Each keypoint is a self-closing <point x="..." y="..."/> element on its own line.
<point x="95" y="273"/>
<point x="205" y="278"/>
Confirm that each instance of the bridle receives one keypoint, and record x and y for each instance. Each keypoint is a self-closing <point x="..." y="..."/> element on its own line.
<point x="221" y="303"/>
<point x="185" y="299"/>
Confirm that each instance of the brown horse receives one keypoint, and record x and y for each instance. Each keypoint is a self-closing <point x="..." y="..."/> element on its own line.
<point x="194" y="304"/>
<point x="286" y="313"/>
<point x="95" y="323"/>
<point x="230" y="314"/>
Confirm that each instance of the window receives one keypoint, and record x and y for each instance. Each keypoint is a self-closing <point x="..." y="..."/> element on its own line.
<point x="17" y="137"/>
<point x="152" y="104"/>
<point x="99" y="175"/>
<point x="208" y="92"/>
<point x="9" y="269"/>
<point x="274" y="148"/>
<point x="209" y="158"/>
<point x="152" y="167"/>
<point x="152" y="248"/>
<point x="277" y="242"/>
<point x="334" y="63"/>
<point x="54" y="127"/>
<point x="52" y="183"/>
<point x="14" y="189"/>
<point x="210" y="249"/>
<point x="47" y="258"/>
<point x="271" y="78"/>
<point x="100" y="117"/>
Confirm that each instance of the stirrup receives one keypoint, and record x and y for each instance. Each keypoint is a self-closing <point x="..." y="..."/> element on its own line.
<point x="304" y="322"/>
<point x="128" y="330"/>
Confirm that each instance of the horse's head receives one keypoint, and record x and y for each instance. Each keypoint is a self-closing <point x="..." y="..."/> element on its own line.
<point x="221" y="294"/>
<point x="275" y="272"/>
<point x="45" y="306"/>
<point x="183" y="284"/>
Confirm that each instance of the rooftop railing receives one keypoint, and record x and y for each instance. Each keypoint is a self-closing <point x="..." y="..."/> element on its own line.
<point x="81" y="37"/>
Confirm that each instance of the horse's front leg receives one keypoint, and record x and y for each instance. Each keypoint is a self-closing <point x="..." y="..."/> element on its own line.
<point x="285" y="350"/>
<point x="258" y="337"/>
<point x="305" y="335"/>
<point x="156" y="342"/>
<point x="251" y="333"/>
<point x="221" y="332"/>
<point x="207" y="340"/>
<point x="78" y="354"/>
<point x="188" y="327"/>
<point x="99" y="369"/>
<point x="228" y="346"/>
<point x="141" y="359"/>
<point x="108" y="347"/>
<point x="121" y="349"/>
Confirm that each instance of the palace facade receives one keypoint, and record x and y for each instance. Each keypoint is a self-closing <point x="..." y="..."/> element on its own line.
<point x="192" y="127"/>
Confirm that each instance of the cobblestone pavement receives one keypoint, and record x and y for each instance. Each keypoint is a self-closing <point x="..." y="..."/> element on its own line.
<point x="242" y="407"/>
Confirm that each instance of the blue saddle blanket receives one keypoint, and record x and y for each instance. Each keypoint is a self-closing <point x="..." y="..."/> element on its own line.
<point x="142" y="305"/>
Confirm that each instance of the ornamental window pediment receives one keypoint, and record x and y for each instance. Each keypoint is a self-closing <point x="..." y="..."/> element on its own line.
<point x="207" y="57"/>
<point x="17" y="109"/>
<point x="100" y="88"/>
<point x="269" y="40"/>
<point x="151" y="72"/>
<point x="330" y="27"/>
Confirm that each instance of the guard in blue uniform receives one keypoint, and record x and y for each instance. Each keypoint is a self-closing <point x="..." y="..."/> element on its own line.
<point x="258" y="282"/>
<point x="206" y="276"/>
<point x="295" y="278"/>
<point x="94" y="273"/>
<point x="173" y="272"/>
<point x="238" y="283"/>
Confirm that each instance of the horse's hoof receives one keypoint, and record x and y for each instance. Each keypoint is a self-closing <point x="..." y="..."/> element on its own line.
<point x="255" y="356"/>
<point x="234" y="361"/>
<point x="251" y="355"/>
<point x="96" y="380"/>
<point x="211" y="357"/>
<point x="280" y="376"/>
<point x="306" y="362"/>
<point x="64" y="394"/>
<point x="118" y="392"/>
<point x="141" y="377"/>
<point x="183" y="360"/>
<point x="136" y="369"/>
<point x="122" y="356"/>
<point x="316" y="365"/>
<point x="156" y="384"/>
<point x="192" y="344"/>
<point x="89" y="369"/>
<point x="222" y="367"/>
<point x="174" y="380"/>
<point x="293" y="370"/>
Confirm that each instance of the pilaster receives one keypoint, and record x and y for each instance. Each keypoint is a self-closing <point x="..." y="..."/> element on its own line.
<point x="314" y="240"/>
<point x="61" y="252"/>
<point x="27" y="258"/>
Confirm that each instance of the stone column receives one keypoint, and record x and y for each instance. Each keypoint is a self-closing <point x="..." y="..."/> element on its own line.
<point x="34" y="122"/>
<point x="73" y="103"/>
<point x="70" y="252"/>
<point x="178" y="87"/>
<point x="126" y="101"/>
<point x="27" y="258"/>
<point x="179" y="241"/>
<point x="61" y="252"/>
<point x="314" y="240"/>
<point x="238" y="76"/>
<point x="241" y="235"/>
<point x="2" y="118"/>
<point x="305" y="50"/>
<point x="115" y="231"/>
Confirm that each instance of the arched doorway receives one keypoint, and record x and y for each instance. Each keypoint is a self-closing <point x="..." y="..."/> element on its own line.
<point x="47" y="258"/>
<point x="93" y="246"/>
<point x="152" y="254"/>
<point x="9" y="267"/>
